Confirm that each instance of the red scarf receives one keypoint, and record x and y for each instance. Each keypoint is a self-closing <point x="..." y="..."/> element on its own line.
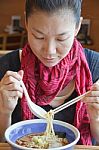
<point x="43" y="84"/>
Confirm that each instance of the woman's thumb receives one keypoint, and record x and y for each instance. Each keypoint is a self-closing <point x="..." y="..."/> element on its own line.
<point x="21" y="72"/>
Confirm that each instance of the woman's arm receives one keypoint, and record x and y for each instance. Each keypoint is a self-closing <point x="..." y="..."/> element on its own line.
<point x="10" y="92"/>
<point x="94" y="126"/>
<point x="92" y="101"/>
<point x="5" y="122"/>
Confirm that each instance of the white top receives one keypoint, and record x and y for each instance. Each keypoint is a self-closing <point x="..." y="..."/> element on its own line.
<point x="63" y="95"/>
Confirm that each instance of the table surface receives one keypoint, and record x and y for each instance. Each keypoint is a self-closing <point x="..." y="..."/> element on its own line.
<point x="5" y="146"/>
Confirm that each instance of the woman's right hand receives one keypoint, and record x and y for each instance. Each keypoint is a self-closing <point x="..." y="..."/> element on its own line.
<point x="10" y="91"/>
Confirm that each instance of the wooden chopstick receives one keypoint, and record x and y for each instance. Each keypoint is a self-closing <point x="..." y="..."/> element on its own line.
<point x="71" y="102"/>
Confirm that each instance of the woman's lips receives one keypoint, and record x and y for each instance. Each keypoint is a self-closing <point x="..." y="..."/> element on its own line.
<point x="49" y="59"/>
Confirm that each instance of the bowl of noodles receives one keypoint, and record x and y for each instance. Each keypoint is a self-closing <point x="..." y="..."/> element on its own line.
<point x="42" y="134"/>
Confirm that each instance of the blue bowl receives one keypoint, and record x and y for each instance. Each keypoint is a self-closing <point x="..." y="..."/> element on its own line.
<point x="23" y="128"/>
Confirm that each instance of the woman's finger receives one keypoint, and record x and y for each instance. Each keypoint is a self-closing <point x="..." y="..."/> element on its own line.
<point x="14" y="87"/>
<point x="13" y="74"/>
<point x="91" y="99"/>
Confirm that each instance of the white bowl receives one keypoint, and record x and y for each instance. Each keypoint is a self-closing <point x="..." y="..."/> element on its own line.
<point x="23" y="128"/>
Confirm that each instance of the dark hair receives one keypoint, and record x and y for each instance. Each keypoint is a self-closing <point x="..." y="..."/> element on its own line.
<point x="53" y="5"/>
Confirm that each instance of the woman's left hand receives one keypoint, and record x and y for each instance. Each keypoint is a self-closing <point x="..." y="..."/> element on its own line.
<point x="92" y="101"/>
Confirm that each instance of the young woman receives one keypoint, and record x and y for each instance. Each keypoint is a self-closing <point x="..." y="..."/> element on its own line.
<point x="54" y="67"/>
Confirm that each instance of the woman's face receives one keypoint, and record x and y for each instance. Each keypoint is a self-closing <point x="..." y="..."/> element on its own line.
<point x="51" y="36"/>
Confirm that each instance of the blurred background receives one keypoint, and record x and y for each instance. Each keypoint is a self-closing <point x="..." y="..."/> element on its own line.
<point x="13" y="33"/>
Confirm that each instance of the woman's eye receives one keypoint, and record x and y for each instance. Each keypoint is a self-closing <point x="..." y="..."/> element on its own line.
<point x="39" y="38"/>
<point x="61" y="40"/>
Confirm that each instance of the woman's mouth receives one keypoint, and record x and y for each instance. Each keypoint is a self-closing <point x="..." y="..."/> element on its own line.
<point x="49" y="59"/>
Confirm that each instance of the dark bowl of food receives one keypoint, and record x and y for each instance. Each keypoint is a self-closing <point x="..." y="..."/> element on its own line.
<point x="30" y="134"/>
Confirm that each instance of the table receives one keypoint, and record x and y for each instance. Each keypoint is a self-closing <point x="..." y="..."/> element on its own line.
<point x="6" y="146"/>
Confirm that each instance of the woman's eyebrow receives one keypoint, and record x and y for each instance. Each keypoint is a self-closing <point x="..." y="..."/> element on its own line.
<point x="37" y="31"/>
<point x="64" y="33"/>
<point x="60" y="34"/>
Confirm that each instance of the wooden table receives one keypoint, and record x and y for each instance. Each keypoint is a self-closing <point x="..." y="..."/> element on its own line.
<point x="5" y="146"/>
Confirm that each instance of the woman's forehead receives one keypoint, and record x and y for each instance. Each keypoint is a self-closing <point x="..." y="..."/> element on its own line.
<point x="58" y="12"/>
<point x="42" y="18"/>
<point x="51" y="25"/>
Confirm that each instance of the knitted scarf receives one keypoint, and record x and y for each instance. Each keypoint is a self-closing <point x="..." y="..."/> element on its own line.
<point x="43" y="83"/>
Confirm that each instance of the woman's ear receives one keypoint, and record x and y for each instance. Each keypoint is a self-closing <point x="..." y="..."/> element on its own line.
<point x="78" y="26"/>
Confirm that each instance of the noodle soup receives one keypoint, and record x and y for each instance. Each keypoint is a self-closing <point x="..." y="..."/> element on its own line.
<point x="38" y="126"/>
<point x="46" y="140"/>
<point x="41" y="141"/>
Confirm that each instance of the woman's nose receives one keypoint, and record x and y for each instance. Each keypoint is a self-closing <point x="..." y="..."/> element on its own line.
<point x="50" y="47"/>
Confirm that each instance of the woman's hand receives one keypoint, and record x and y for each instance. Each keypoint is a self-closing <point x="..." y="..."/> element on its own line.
<point x="92" y="101"/>
<point x="10" y="91"/>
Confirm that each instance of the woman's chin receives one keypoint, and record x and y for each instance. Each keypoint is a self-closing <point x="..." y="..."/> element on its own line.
<point x="50" y="63"/>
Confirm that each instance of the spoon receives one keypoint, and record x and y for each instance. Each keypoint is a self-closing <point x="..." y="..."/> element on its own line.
<point x="35" y="109"/>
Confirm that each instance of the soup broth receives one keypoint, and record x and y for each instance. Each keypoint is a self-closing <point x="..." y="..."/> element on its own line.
<point x="40" y="141"/>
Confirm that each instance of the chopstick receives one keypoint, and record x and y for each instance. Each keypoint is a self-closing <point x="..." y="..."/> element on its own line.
<point x="71" y="102"/>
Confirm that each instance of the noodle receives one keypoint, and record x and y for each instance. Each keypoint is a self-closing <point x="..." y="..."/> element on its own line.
<point x="49" y="129"/>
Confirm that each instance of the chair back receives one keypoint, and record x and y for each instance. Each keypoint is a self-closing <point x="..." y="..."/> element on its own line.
<point x="12" y="41"/>
<point x="2" y="41"/>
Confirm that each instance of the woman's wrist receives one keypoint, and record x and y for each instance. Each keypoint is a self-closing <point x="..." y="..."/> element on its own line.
<point x="94" y="118"/>
<point x="93" y="113"/>
<point x="5" y="122"/>
<point x="5" y="113"/>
